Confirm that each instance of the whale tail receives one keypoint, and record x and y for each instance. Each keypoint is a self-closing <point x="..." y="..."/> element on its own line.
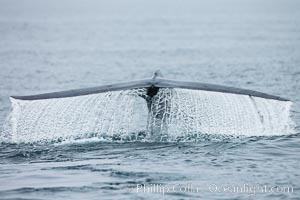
<point x="152" y="84"/>
<point x="174" y="109"/>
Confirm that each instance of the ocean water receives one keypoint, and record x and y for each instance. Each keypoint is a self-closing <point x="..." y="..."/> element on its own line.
<point x="59" y="45"/>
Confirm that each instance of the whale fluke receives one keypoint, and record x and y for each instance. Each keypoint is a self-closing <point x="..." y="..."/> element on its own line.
<point x="152" y="85"/>
<point x="155" y="108"/>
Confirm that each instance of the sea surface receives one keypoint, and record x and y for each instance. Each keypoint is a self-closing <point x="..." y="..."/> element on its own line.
<point x="48" y="46"/>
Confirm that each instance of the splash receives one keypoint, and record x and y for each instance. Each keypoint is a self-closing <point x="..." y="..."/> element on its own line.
<point x="174" y="114"/>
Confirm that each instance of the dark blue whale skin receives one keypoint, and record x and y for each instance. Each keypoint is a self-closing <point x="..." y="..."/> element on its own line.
<point x="152" y="85"/>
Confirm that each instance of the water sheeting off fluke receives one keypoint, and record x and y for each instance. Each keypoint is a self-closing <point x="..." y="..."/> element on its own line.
<point x="124" y="115"/>
<point x="97" y="115"/>
<point x="214" y="113"/>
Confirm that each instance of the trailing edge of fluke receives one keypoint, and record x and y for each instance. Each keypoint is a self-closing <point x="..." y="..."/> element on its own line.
<point x="152" y="84"/>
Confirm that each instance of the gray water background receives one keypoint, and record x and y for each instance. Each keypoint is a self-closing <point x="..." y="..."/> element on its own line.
<point x="57" y="45"/>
